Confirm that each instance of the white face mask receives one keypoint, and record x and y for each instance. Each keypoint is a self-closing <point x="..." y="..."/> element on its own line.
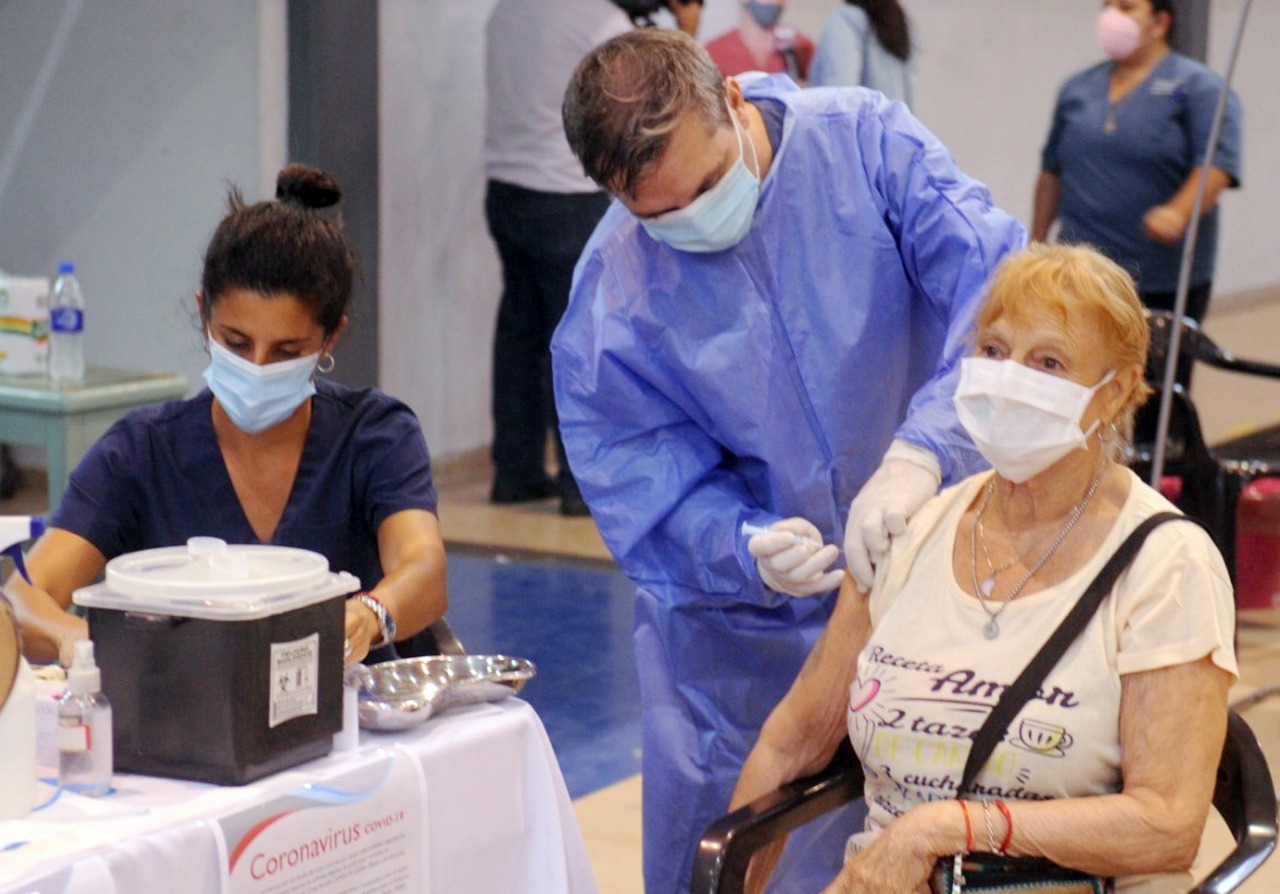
<point x="1021" y="420"/>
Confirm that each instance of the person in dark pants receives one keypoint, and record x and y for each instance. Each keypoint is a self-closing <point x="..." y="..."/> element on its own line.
<point x="541" y="210"/>
<point x="539" y="237"/>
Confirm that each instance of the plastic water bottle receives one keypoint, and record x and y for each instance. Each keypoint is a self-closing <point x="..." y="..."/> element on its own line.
<point x="66" y="327"/>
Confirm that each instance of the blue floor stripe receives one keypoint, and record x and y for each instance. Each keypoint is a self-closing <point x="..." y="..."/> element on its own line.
<point x="574" y="623"/>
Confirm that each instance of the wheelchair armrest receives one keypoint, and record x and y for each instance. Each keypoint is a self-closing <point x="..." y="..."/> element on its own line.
<point x="1227" y="361"/>
<point x="727" y="846"/>
<point x="1246" y="798"/>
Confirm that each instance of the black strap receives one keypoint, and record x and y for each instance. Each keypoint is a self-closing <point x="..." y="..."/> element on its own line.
<point x="1022" y="689"/>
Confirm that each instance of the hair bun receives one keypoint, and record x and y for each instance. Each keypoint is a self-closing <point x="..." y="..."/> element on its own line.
<point x="308" y="187"/>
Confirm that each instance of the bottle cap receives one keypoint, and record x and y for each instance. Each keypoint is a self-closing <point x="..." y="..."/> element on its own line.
<point x="83" y="677"/>
<point x="66" y="267"/>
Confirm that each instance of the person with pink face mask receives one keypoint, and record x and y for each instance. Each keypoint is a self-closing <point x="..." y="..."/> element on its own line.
<point x="759" y="43"/>
<point x="1120" y="168"/>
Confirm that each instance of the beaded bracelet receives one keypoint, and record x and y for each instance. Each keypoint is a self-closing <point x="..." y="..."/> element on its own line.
<point x="968" y="826"/>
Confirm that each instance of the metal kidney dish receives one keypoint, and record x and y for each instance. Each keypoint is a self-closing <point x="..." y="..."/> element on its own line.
<point x="400" y="694"/>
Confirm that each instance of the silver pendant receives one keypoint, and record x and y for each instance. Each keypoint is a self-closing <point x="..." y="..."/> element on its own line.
<point x="991" y="629"/>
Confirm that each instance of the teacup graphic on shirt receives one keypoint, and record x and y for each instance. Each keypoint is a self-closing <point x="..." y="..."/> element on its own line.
<point x="1048" y="739"/>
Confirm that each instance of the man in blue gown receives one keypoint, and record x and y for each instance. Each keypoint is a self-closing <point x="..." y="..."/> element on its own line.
<point x="766" y="323"/>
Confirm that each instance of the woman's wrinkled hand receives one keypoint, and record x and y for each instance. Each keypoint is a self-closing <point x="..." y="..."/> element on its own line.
<point x="897" y="862"/>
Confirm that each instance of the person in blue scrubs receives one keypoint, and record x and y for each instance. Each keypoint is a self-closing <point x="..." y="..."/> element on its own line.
<point x="1122" y="162"/>
<point x="268" y="453"/>
<point x="766" y="323"/>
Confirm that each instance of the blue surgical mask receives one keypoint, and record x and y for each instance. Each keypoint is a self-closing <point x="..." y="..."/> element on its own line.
<point x="765" y="14"/>
<point x="721" y="216"/>
<point x="257" y="397"/>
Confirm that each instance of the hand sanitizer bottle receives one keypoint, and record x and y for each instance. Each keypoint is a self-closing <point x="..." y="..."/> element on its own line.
<point x="84" y="728"/>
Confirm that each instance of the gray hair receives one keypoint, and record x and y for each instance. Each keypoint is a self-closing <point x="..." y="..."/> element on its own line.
<point x="627" y="97"/>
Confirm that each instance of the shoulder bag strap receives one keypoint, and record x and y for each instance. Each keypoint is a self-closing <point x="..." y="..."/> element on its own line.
<point x="1024" y="687"/>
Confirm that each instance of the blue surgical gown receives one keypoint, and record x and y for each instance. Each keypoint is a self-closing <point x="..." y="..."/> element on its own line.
<point x="699" y="391"/>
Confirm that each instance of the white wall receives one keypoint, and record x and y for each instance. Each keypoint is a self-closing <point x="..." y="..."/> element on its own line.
<point x="989" y="72"/>
<point x="155" y="105"/>
<point x="119" y="158"/>
<point x="438" y="270"/>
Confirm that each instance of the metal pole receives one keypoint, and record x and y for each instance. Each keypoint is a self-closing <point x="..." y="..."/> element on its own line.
<point x="1188" y="252"/>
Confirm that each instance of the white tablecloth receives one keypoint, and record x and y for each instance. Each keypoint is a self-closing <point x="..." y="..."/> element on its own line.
<point x="496" y="817"/>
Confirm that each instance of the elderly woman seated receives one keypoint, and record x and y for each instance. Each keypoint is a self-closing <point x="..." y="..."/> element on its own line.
<point x="1110" y="768"/>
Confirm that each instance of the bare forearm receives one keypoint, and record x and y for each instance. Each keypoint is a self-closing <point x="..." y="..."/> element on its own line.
<point x="1045" y="207"/>
<point x="804" y="730"/>
<point x="48" y="629"/>
<point x="1169" y="763"/>
<point x="414" y="590"/>
<point x="1184" y="199"/>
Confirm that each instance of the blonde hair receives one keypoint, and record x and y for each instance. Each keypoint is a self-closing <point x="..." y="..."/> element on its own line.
<point x="1064" y="281"/>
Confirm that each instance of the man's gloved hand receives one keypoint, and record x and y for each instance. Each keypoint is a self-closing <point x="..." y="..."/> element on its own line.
<point x="908" y="476"/>
<point x="791" y="558"/>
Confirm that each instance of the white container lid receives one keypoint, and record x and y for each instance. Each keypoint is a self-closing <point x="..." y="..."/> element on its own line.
<point x="211" y="579"/>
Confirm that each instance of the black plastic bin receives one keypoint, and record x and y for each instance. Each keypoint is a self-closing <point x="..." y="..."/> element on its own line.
<point x="223" y="687"/>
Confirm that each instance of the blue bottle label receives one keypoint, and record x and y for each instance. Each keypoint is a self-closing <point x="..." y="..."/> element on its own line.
<point x="66" y="319"/>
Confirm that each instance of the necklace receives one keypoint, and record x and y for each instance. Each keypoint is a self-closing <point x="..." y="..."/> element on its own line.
<point x="992" y="628"/>
<point x="989" y="582"/>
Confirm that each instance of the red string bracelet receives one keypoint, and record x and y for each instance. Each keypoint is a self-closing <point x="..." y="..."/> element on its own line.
<point x="1008" y="818"/>
<point x="968" y="827"/>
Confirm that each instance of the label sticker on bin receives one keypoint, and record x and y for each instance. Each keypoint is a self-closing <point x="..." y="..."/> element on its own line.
<point x="294" y="692"/>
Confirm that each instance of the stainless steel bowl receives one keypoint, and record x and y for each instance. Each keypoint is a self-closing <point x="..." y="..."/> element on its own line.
<point x="399" y="694"/>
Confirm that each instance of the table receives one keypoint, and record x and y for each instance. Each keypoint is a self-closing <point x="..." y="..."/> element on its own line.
<point x="494" y="817"/>
<point x="67" y="419"/>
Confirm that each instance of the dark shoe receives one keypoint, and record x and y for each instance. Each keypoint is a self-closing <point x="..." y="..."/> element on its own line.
<point x="504" y="493"/>
<point x="572" y="505"/>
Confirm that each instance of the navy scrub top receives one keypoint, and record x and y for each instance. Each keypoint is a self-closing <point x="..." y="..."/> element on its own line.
<point x="157" y="478"/>
<point x="1118" y="160"/>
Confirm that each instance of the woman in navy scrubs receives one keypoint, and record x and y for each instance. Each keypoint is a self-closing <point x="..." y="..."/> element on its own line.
<point x="1121" y="165"/>
<point x="268" y="452"/>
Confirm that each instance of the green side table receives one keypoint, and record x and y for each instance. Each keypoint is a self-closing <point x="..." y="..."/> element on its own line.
<point x="66" y="420"/>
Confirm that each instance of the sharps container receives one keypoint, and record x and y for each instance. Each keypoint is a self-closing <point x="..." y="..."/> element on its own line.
<point x="222" y="663"/>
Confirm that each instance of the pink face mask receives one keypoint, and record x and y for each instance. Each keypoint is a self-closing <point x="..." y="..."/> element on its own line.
<point x="1118" y="34"/>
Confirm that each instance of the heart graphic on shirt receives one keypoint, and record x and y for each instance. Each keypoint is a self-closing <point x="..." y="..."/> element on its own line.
<point x="861" y="694"/>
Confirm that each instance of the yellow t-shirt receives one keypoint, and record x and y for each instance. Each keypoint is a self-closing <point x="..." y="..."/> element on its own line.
<point x="928" y="676"/>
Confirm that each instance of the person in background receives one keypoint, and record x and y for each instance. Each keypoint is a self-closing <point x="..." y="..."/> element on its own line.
<point x="867" y="43"/>
<point x="540" y="210"/>
<point x="268" y="452"/>
<point x="1122" y="162"/>
<point x="1100" y="776"/>
<point x="760" y="327"/>
<point x="759" y="43"/>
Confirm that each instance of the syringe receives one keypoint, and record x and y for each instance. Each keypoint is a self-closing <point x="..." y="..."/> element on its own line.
<point x="750" y="530"/>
